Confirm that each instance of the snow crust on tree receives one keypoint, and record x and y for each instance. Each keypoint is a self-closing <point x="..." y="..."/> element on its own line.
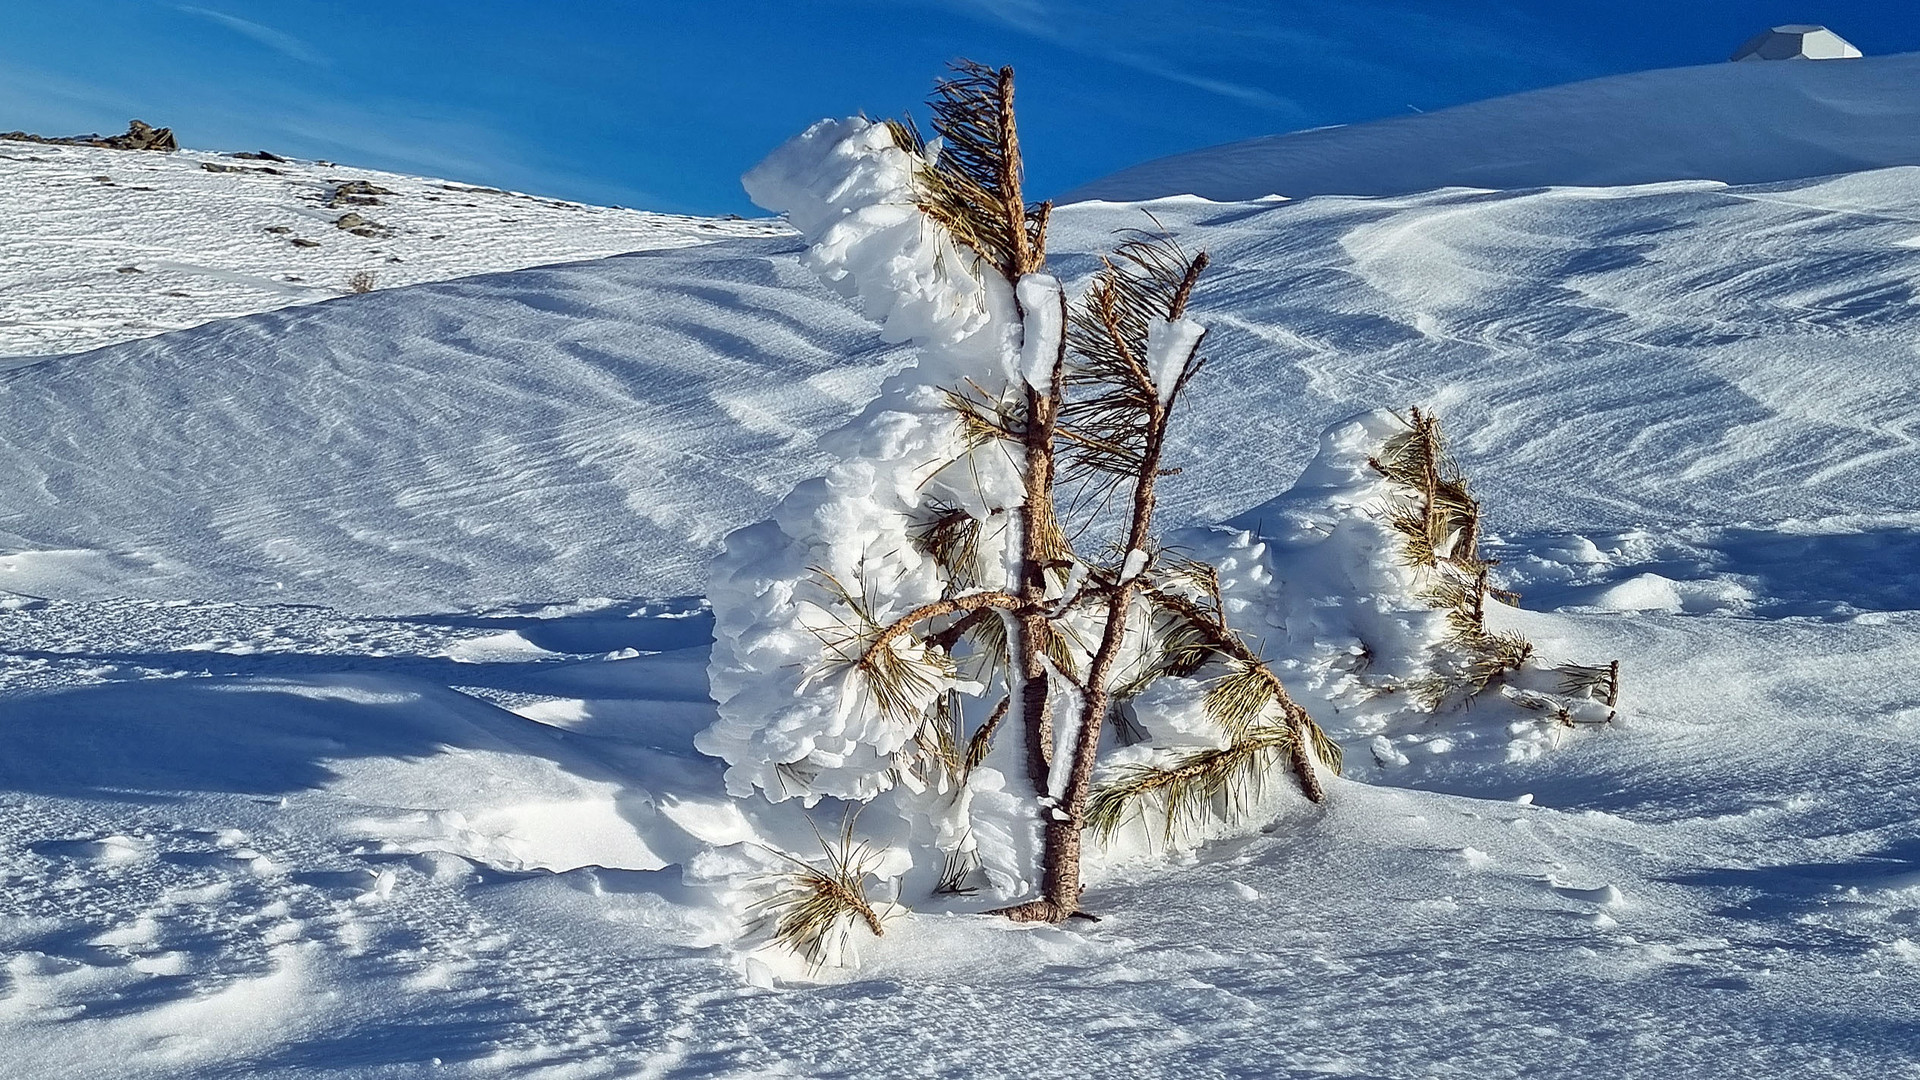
<point x="1320" y="578"/>
<point x="788" y="725"/>
<point x="1169" y="343"/>
<point x="848" y="187"/>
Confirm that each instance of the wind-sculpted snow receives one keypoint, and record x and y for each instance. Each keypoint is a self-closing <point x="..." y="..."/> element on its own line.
<point x="519" y="435"/>
<point x="1738" y="123"/>
<point x="278" y="838"/>
<point x="1618" y="357"/>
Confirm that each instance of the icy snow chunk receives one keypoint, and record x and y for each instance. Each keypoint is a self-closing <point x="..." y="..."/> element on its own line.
<point x="1169" y="344"/>
<point x="508" y="645"/>
<point x="1045" y="306"/>
<point x="1603" y="895"/>
<point x="1653" y="592"/>
<point x="1385" y="753"/>
<point x="1645" y="592"/>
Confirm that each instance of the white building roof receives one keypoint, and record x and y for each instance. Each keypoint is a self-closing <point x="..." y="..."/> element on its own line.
<point x="1796" y="41"/>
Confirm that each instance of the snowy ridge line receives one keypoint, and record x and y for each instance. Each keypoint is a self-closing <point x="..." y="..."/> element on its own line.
<point x="1735" y="123"/>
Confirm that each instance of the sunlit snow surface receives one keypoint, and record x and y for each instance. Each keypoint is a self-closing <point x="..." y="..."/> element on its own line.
<point x="309" y="748"/>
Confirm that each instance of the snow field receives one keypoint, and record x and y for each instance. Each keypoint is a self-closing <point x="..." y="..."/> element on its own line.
<point x="311" y="762"/>
<point x="1678" y="891"/>
<point x="103" y="246"/>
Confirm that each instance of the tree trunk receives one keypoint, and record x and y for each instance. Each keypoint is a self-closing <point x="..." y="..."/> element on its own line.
<point x="1060" y="887"/>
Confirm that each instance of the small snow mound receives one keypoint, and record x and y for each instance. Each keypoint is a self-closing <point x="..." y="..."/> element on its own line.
<point x="1645" y="592"/>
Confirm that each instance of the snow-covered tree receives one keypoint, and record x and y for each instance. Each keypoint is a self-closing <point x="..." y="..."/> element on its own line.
<point x="916" y="628"/>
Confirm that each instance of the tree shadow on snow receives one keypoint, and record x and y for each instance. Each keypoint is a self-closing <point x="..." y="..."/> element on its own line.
<point x="237" y="735"/>
<point x="268" y="725"/>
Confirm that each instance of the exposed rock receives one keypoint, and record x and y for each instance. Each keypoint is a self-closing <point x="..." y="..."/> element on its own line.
<point x="259" y="155"/>
<point x="303" y="242"/>
<point x="214" y="166"/>
<point x="139" y="136"/>
<point x="279" y="229"/>
<point x="356" y="193"/>
<point x="359" y="226"/>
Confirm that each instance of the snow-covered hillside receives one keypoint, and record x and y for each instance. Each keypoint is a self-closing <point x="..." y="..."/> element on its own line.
<point x="1679" y="357"/>
<point x="1739" y="123"/>
<point x="99" y="246"/>
<point x="345" y="730"/>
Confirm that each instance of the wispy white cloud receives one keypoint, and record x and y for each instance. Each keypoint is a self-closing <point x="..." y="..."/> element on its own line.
<point x="51" y="104"/>
<point x="279" y="41"/>
<point x="1230" y="48"/>
<point x="1246" y="95"/>
<point x="1089" y="33"/>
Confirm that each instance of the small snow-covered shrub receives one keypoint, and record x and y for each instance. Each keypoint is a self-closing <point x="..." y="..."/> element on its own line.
<point x="933" y="632"/>
<point x="915" y="628"/>
<point x="1367" y="586"/>
<point x="1439" y="525"/>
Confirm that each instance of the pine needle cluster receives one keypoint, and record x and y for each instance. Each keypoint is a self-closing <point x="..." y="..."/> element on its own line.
<point x="897" y="673"/>
<point x="814" y="908"/>
<point x="971" y="185"/>
<point x="1262" y="725"/>
<point x="1202" y="786"/>
<point x="1584" y="682"/>
<point x="1439" y="522"/>
<point x="1107" y="425"/>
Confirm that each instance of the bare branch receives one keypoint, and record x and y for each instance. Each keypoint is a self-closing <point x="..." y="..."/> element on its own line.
<point x="970" y="602"/>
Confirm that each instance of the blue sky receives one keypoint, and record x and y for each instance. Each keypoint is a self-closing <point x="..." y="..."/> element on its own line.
<point x="663" y="105"/>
